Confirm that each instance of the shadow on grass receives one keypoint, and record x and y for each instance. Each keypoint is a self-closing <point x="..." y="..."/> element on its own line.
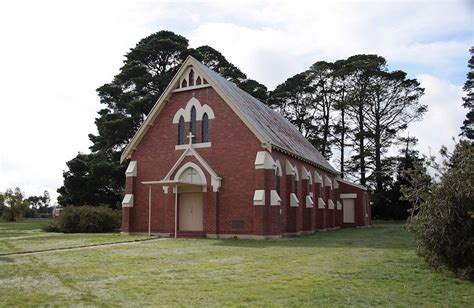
<point x="380" y="236"/>
<point x="6" y="260"/>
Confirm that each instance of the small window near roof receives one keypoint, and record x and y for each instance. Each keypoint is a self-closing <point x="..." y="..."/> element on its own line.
<point x="198" y="81"/>
<point x="191" y="78"/>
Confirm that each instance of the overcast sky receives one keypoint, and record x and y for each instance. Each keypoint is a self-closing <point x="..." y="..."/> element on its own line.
<point x="54" y="54"/>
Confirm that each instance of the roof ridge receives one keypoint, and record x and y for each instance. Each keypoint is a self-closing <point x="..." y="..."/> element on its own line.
<point x="300" y="147"/>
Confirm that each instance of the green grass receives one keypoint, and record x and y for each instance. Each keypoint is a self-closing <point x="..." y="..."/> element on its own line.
<point x="26" y="236"/>
<point x="351" y="267"/>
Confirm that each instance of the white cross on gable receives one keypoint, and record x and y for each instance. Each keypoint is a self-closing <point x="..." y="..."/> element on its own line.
<point x="190" y="137"/>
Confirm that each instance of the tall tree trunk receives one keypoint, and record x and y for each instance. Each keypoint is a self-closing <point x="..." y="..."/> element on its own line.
<point x="326" y="132"/>
<point x="343" y="135"/>
<point x="361" y="143"/>
<point x="378" y="148"/>
<point x="378" y="157"/>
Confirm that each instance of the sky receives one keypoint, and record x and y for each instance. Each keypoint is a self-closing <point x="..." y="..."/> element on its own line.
<point x="55" y="54"/>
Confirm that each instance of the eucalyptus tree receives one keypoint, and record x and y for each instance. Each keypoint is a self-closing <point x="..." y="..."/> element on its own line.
<point x="393" y="103"/>
<point x="292" y="100"/>
<point x="361" y="69"/>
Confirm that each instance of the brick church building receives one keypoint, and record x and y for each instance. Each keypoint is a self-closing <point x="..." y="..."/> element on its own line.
<point x="211" y="160"/>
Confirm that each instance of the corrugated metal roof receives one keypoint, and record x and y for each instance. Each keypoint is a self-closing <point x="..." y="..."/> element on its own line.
<point x="277" y="130"/>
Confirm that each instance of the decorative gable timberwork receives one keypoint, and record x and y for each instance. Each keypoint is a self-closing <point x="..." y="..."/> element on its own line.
<point x="190" y="80"/>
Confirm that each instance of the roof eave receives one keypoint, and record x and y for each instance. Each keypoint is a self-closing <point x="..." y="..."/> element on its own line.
<point x="308" y="161"/>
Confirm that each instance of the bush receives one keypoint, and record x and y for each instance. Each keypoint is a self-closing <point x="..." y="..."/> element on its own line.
<point x="443" y="217"/>
<point x="52" y="226"/>
<point x="85" y="219"/>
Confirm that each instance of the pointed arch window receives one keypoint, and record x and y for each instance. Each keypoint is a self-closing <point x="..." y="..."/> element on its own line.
<point x="191" y="78"/>
<point x="277" y="180"/>
<point x="295" y="185"/>
<point x="181" y="130"/>
<point x="193" y="123"/>
<point x="205" y="128"/>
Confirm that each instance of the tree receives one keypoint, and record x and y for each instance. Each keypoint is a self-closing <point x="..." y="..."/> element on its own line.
<point x="442" y="218"/>
<point x="341" y="127"/>
<point x="361" y="69"/>
<point x="15" y="204"/>
<point x="322" y="87"/>
<point x="392" y="105"/>
<point x="391" y="203"/>
<point x="98" y="178"/>
<point x="294" y="102"/>
<point x="467" y="128"/>
<point x="40" y="204"/>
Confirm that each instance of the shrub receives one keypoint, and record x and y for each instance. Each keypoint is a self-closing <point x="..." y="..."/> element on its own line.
<point x="51" y="226"/>
<point x="85" y="219"/>
<point x="442" y="220"/>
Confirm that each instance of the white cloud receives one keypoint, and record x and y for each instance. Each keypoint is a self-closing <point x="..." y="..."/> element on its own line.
<point x="444" y="117"/>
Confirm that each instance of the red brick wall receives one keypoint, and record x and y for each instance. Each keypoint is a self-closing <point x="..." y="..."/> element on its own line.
<point x="232" y="157"/>
<point x="361" y="205"/>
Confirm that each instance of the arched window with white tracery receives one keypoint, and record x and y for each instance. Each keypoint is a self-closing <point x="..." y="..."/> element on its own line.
<point x="181" y="130"/>
<point x="193" y="123"/>
<point x="205" y="128"/>
<point x="191" y="78"/>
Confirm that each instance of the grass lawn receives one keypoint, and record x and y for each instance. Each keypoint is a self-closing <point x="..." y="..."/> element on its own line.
<point x="27" y="236"/>
<point x="361" y="267"/>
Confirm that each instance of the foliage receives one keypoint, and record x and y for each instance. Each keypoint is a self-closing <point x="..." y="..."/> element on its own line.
<point x="51" y="226"/>
<point x="14" y="206"/>
<point x="98" y="178"/>
<point x="40" y="206"/>
<point x="442" y="218"/>
<point x="85" y="219"/>
<point x="354" y="104"/>
<point x="390" y="204"/>
<point x="468" y="124"/>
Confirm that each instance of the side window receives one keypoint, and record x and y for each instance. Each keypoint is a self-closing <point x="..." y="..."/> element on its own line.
<point x="277" y="180"/>
<point x="295" y="185"/>
<point x="181" y="130"/>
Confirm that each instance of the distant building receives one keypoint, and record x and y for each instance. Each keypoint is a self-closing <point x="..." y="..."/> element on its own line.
<point x="56" y="211"/>
<point x="211" y="160"/>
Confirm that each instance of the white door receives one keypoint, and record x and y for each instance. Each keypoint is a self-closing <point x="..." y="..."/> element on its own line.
<point x="348" y="209"/>
<point x="190" y="212"/>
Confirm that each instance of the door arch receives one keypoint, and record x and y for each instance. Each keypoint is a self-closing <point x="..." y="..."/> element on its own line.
<point x="190" y="198"/>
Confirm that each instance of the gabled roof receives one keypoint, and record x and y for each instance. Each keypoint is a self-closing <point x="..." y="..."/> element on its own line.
<point x="270" y="127"/>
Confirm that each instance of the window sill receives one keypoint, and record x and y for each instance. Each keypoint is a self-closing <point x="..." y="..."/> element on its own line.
<point x="194" y="145"/>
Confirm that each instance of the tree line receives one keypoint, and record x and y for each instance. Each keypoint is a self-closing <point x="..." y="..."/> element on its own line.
<point x="355" y="109"/>
<point x="14" y="205"/>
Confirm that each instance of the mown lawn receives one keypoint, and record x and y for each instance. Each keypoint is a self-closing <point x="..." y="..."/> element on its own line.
<point x="27" y="236"/>
<point x="356" y="267"/>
